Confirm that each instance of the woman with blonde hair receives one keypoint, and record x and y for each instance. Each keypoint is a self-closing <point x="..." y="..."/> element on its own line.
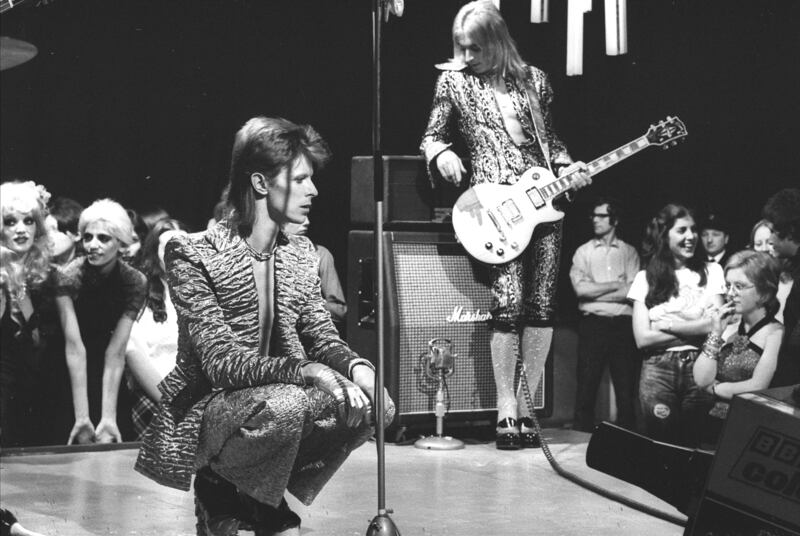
<point x="27" y="311"/>
<point x="99" y="296"/>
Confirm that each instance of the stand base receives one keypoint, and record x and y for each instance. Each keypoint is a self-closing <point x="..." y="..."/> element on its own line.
<point x="382" y="525"/>
<point x="439" y="443"/>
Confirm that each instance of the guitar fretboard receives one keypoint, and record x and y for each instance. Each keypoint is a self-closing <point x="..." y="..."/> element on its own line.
<point x="558" y="187"/>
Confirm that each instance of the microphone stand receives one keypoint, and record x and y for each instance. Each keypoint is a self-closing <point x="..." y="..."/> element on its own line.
<point x="381" y="524"/>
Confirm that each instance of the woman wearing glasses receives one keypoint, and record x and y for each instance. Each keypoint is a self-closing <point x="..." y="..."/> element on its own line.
<point x="673" y="298"/>
<point x="741" y="357"/>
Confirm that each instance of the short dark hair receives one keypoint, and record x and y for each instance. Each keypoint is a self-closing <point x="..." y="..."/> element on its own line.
<point x="67" y="212"/>
<point x="267" y="145"/>
<point x="715" y="221"/>
<point x="613" y="208"/>
<point x="783" y="211"/>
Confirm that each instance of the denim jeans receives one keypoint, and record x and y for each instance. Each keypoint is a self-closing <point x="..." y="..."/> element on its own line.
<point x="673" y="407"/>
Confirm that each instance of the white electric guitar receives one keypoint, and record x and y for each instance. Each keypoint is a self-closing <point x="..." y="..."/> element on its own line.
<point x="495" y="222"/>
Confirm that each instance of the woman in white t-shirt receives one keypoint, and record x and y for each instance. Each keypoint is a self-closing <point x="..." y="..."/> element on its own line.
<point x="153" y="344"/>
<point x="672" y="301"/>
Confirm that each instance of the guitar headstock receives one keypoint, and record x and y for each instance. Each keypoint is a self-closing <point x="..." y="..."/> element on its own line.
<point x="667" y="133"/>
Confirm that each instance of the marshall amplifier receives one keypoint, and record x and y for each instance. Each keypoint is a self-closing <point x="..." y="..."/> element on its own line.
<point x="408" y="196"/>
<point x="433" y="290"/>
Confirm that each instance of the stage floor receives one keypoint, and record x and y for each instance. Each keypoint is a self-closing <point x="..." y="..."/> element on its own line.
<point x="475" y="491"/>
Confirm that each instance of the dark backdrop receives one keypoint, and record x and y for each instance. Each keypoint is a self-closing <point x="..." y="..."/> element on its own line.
<point x="139" y="100"/>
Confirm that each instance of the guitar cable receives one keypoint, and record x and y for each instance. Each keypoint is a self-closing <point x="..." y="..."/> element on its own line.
<point x="591" y="486"/>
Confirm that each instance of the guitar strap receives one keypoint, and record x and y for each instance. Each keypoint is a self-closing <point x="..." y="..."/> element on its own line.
<point x="538" y="124"/>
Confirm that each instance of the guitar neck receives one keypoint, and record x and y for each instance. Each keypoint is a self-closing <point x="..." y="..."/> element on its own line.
<point x="5" y="5"/>
<point x="558" y="187"/>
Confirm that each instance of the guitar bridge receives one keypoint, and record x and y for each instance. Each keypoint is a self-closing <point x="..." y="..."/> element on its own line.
<point x="496" y="223"/>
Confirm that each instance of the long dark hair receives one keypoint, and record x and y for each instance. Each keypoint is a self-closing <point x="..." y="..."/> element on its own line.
<point x="659" y="260"/>
<point x="151" y="267"/>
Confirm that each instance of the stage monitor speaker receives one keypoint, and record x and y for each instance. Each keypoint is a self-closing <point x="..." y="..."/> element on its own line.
<point x="408" y="196"/>
<point x="754" y="484"/>
<point x="433" y="289"/>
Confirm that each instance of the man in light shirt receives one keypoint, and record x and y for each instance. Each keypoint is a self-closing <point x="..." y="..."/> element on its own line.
<point x="601" y="273"/>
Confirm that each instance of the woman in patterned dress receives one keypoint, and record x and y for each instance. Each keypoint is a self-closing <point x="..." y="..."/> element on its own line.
<point x="746" y="353"/>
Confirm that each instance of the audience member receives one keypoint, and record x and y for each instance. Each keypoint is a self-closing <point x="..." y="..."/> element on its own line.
<point x="602" y="271"/>
<point x="672" y="301"/>
<point x="130" y="253"/>
<point x="153" y="343"/>
<point x="738" y="358"/>
<point x="150" y="216"/>
<point x="99" y="296"/>
<point x="714" y="237"/>
<point x="761" y="237"/>
<point x="221" y="210"/>
<point x="63" y="223"/>
<point x="28" y="314"/>
<point x="332" y="291"/>
<point x="783" y="212"/>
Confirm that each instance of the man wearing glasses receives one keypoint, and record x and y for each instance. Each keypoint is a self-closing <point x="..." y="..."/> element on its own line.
<point x="602" y="271"/>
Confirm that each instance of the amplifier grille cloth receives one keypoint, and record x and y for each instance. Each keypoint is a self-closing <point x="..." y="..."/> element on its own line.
<point x="432" y="281"/>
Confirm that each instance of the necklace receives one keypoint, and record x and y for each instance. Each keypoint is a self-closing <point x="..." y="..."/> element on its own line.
<point x="260" y="256"/>
<point x="19" y="294"/>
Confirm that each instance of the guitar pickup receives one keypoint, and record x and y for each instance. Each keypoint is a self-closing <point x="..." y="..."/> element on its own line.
<point x="510" y="212"/>
<point x="536" y="197"/>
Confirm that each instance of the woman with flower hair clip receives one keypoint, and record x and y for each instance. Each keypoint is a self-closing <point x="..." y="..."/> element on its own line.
<point x="27" y="312"/>
<point x="99" y="296"/>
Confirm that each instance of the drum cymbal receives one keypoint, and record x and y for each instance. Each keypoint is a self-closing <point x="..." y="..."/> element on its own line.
<point x="14" y="52"/>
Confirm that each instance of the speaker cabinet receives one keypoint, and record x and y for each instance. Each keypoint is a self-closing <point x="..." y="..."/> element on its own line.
<point x="407" y="193"/>
<point x="432" y="289"/>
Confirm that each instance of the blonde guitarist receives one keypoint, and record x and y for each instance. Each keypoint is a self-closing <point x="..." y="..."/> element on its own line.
<point x="500" y="107"/>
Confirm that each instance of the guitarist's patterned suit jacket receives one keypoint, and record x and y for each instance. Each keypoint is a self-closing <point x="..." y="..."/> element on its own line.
<point x="523" y="290"/>
<point x="467" y="101"/>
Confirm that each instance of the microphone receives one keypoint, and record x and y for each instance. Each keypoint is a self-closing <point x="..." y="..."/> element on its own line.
<point x="439" y="363"/>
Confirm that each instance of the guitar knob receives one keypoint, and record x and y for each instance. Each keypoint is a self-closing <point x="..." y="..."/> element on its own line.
<point x="514" y="245"/>
<point x="488" y="245"/>
<point x="500" y="252"/>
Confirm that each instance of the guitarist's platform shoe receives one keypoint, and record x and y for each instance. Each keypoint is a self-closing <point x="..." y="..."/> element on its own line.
<point x="527" y="434"/>
<point x="508" y="435"/>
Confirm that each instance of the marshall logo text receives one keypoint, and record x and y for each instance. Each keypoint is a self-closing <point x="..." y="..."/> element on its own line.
<point x="460" y="315"/>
